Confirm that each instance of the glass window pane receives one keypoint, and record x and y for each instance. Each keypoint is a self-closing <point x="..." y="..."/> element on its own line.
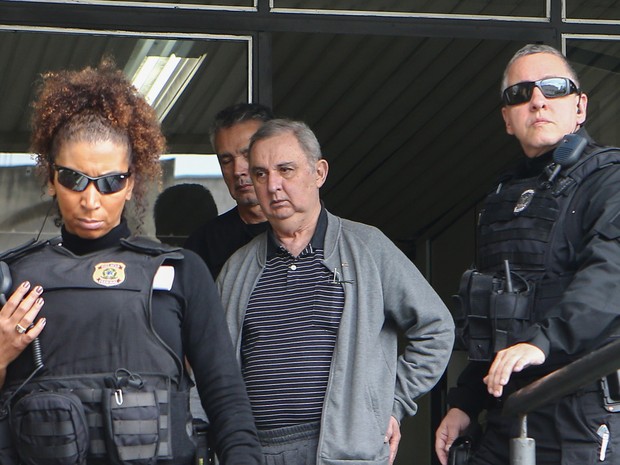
<point x="597" y="63"/>
<point x="193" y="192"/>
<point x="24" y="205"/>
<point x="207" y="74"/>
<point x="593" y="9"/>
<point x="531" y="8"/>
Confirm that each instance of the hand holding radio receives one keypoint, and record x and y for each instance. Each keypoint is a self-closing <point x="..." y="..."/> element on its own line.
<point x="17" y="317"/>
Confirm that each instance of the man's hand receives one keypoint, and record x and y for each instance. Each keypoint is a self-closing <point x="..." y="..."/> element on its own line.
<point x="452" y="426"/>
<point x="392" y="436"/>
<point x="510" y="360"/>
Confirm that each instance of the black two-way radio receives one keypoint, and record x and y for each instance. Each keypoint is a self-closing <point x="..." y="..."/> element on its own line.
<point x="567" y="153"/>
<point x="5" y="282"/>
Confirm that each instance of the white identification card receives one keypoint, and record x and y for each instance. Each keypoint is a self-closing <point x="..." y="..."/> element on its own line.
<point x="163" y="278"/>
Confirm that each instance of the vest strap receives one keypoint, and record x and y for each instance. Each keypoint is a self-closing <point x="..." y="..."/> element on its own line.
<point x="48" y="452"/>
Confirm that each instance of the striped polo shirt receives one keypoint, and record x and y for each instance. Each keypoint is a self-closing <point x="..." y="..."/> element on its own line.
<point x="289" y="334"/>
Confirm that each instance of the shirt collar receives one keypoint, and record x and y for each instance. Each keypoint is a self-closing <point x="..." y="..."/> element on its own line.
<point x="317" y="241"/>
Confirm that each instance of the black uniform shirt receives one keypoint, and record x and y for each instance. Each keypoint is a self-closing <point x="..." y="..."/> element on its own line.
<point x="219" y="238"/>
<point x="589" y="247"/>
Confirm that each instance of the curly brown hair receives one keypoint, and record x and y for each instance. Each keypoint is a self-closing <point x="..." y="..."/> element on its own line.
<point x="97" y="104"/>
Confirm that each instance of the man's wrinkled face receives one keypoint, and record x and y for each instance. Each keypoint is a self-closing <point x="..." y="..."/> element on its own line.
<point x="287" y="183"/>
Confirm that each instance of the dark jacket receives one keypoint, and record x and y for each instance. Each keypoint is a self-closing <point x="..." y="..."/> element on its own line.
<point x="584" y="252"/>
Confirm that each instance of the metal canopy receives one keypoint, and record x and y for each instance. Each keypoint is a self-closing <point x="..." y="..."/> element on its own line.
<point x="406" y="109"/>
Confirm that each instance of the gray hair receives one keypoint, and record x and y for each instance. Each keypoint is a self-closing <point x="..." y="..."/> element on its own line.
<point x="531" y="49"/>
<point x="307" y="140"/>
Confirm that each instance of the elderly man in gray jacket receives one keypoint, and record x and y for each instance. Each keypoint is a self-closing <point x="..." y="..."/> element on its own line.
<point x="315" y="306"/>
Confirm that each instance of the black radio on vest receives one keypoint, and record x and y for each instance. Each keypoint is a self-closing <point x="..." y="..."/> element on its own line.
<point x="497" y="299"/>
<point x="567" y="153"/>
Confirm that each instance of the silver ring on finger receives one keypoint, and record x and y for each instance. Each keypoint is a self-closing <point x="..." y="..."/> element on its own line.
<point x="20" y="329"/>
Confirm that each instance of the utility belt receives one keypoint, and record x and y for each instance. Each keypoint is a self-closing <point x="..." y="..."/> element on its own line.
<point x="120" y="419"/>
<point x="492" y="310"/>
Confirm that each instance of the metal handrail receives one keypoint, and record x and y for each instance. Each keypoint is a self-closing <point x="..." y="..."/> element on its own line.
<point x="565" y="380"/>
<point x="561" y="382"/>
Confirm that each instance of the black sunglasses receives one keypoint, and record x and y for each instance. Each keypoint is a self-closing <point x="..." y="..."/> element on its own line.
<point x="550" y="87"/>
<point x="78" y="182"/>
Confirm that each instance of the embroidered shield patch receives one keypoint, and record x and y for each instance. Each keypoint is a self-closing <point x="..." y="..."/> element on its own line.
<point x="109" y="274"/>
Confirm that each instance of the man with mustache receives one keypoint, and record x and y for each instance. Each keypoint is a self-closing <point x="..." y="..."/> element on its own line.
<point x="219" y="238"/>
<point x="546" y="285"/>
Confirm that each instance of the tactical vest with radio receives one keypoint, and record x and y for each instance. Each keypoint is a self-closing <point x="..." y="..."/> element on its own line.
<point x="110" y="391"/>
<point x="516" y="280"/>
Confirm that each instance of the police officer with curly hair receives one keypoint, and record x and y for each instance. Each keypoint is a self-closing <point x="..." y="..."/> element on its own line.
<point x="113" y="314"/>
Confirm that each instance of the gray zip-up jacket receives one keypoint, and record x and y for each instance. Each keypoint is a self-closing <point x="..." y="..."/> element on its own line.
<point x="385" y="295"/>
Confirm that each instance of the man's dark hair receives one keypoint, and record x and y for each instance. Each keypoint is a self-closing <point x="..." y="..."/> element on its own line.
<point x="239" y="113"/>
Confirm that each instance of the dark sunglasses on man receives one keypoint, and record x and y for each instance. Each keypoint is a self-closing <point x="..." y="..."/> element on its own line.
<point x="553" y="87"/>
<point x="78" y="182"/>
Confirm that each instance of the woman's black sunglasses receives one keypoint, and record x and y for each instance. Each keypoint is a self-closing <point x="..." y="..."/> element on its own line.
<point x="76" y="181"/>
<point x="550" y="87"/>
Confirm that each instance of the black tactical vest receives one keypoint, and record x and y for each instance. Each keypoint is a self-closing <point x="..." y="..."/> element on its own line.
<point x="109" y="386"/>
<point x="516" y="279"/>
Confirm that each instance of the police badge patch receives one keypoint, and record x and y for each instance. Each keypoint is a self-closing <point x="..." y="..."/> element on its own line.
<point x="109" y="274"/>
<point x="524" y="201"/>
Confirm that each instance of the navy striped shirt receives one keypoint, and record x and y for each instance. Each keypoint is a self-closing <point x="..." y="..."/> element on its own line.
<point x="289" y="334"/>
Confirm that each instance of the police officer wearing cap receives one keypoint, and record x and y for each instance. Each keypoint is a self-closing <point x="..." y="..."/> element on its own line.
<point x="546" y="286"/>
<point x="111" y="316"/>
